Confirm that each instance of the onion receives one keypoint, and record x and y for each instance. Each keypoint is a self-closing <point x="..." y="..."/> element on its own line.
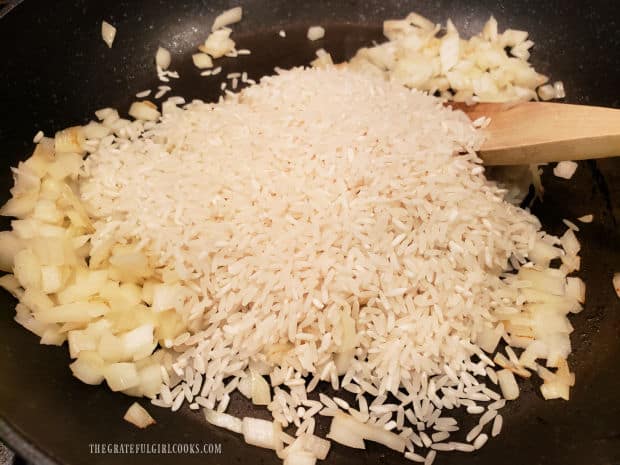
<point x="261" y="433"/>
<point x="546" y="92"/>
<point x="565" y="169"/>
<point x="300" y="457"/>
<point x="449" y="50"/>
<point x="261" y="394"/>
<point x="489" y="32"/>
<point x="558" y="87"/>
<point x="162" y="58"/>
<point x="315" y="33"/>
<point x="570" y="244"/>
<point x="323" y="59"/>
<point x="80" y="340"/>
<point x="346" y="428"/>
<point x="121" y="376"/>
<point x="202" y="60"/>
<point x="137" y="415"/>
<point x="108" y="33"/>
<point x="218" y="43"/>
<point x="508" y="384"/>
<point x="319" y="447"/>
<point x="576" y="289"/>
<point x="548" y="280"/>
<point x="555" y="390"/>
<point x="224" y="420"/>
<point x="340" y="432"/>
<point x="79" y="312"/>
<point x="245" y="386"/>
<point x="69" y="140"/>
<point x="227" y="17"/>
<point x="138" y="343"/>
<point x="88" y="368"/>
<point x="144" y="110"/>
<point x="10" y="244"/>
<point x="150" y="379"/>
<point x="488" y="338"/>
<point x="542" y="253"/>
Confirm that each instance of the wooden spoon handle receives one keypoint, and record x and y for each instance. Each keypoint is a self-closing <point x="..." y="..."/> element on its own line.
<point x="540" y="132"/>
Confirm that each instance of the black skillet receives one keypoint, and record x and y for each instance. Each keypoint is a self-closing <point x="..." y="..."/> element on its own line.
<point x="56" y="71"/>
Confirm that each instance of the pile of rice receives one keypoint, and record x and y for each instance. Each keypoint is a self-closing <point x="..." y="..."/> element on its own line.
<point x="323" y="225"/>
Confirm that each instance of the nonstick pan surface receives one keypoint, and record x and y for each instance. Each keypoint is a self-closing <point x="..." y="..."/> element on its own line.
<point x="56" y="71"/>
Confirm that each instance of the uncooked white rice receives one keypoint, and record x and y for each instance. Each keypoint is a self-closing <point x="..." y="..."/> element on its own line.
<point x="316" y="216"/>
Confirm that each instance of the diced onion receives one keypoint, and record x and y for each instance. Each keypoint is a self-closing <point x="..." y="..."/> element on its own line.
<point x="300" y="457"/>
<point x="108" y="33"/>
<point x="565" y="169"/>
<point x="88" y="368"/>
<point x="144" y="110"/>
<point x="218" y="43"/>
<point x="546" y="92"/>
<point x="139" y="343"/>
<point x="228" y="17"/>
<point x="224" y="420"/>
<point x="69" y="140"/>
<point x="544" y="280"/>
<point x="315" y="33"/>
<point x="508" y="384"/>
<point x="558" y="87"/>
<point x="245" y="386"/>
<point x="345" y="427"/>
<point x="319" y="447"/>
<point x="261" y="394"/>
<point x="570" y="243"/>
<point x="162" y="58"/>
<point x="137" y="415"/>
<point x="121" y="376"/>
<point x="202" y="60"/>
<point x="261" y="433"/>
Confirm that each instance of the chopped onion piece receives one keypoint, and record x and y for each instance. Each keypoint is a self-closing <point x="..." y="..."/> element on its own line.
<point x="547" y="281"/>
<point x="576" y="289"/>
<point x="137" y="415"/>
<point x="69" y="140"/>
<point x="202" y="60"/>
<point x="508" y="384"/>
<point x="121" y="376"/>
<point x="108" y="33"/>
<point x="224" y="420"/>
<point x="315" y="33"/>
<point x="144" y="110"/>
<point x="542" y="253"/>
<point x="319" y="447"/>
<point x="88" y="368"/>
<point x="546" y="92"/>
<point x="261" y="394"/>
<point x="558" y="87"/>
<point x="488" y="338"/>
<point x="261" y="433"/>
<point x="228" y="17"/>
<point x="586" y="218"/>
<point x="300" y="457"/>
<point x="218" y="43"/>
<point x="162" y="58"/>
<point x="570" y="243"/>
<point x="345" y="427"/>
<point x="340" y="432"/>
<point x="565" y="169"/>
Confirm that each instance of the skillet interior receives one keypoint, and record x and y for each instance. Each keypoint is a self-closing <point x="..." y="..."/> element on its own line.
<point x="56" y="71"/>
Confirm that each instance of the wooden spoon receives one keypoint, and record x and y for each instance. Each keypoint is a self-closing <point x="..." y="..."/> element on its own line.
<point x="540" y="132"/>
